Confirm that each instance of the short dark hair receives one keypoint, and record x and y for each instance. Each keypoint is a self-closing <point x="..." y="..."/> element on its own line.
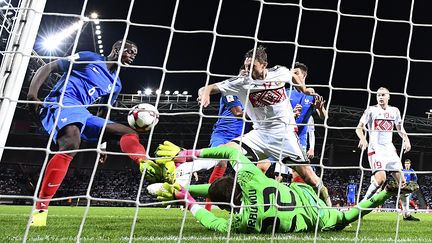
<point x="260" y="54"/>
<point x="221" y="191"/>
<point x="408" y="161"/>
<point x="301" y="66"/>
<point x="118" y="44"/>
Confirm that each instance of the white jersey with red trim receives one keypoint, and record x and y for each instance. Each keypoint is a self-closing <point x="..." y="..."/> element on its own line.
<point x="267" y="102"/>
<point x="380" y="123"/>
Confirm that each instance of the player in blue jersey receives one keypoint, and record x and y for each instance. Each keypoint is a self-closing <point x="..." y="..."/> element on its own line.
<point x="92" y="78"/>
<point x="351" y="191"/>
<point x="309" y="105"/>
<point x="225" y="130"/>
<point x="409" y="175"/>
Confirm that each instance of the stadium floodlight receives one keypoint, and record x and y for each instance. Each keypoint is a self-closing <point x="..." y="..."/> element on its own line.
<point x="185" y="92"/>
<point x="97" y="27"/>
<point x="147" y="91"/>
<point x="167" y="92"/>
<point x="158" y="91"/>
<point x="98" y="32"/>
<point x="176" y="92"/>
<point x="101" y="46"/>
<point x="139" y="92"/>
<point x="101" y="51"/>
<point x="99" y="37"/>
<point x="94" y="15"/>
<point x="99" y="41"/>
<point x="52" y="42"/>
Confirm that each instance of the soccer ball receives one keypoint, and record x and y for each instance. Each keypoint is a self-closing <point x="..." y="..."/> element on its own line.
<point x="143" y="117"/>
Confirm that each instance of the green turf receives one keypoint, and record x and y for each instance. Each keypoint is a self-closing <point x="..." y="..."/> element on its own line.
<point x="113" y="224"/>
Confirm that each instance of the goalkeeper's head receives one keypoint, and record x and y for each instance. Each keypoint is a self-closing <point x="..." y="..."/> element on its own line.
<point x="221" y="190"/>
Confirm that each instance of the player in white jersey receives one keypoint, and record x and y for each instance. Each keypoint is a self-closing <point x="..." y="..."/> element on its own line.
<point x="380" y="121"/>
<point x="266" y="102"/>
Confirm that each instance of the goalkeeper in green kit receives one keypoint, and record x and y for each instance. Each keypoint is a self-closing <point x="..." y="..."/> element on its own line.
<point x="259" y="203"/>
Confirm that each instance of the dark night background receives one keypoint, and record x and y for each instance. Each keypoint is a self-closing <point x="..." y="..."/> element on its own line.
<point x="320" y="43"/>
<point x="351" y="48"/>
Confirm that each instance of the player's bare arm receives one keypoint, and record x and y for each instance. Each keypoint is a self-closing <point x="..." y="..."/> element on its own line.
<point x="405" y="140"/>
<point x="38" y="79"/>
<point x="363" y="144"/>
<point x="320" y="107"/>
<point x="205" y="92"/>
<point x="298" y="81"/>
<point x="237" y="111"/>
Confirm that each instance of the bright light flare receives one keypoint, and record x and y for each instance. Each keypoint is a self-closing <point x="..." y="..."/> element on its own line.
<point x="52" y="42"/>
<point x="147" y="91"/>
<point x="94" y="15"/>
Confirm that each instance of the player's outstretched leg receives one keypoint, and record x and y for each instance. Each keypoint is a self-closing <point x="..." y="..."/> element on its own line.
<point x="378" y="199"/>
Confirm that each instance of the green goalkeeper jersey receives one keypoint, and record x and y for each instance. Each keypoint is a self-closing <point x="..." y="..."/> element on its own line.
<point x="265" y="202"/>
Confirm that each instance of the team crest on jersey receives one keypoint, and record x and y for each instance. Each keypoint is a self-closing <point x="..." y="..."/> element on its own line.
<point x="267" y="97"/>
<point x="383" y="125"/>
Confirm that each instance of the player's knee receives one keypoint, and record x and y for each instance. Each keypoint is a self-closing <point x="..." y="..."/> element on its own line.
<point x="69" y="143"/>
<point x="119" y="129"/>
<point x="69" y="138"/>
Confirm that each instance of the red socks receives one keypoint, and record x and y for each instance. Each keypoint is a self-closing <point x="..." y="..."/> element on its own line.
<point x="54" y="175"/>
<point x="129" y="143"/>
<point x="217" y="173"/>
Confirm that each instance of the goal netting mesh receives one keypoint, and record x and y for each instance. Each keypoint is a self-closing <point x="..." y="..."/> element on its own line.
<point x="351" y="48"/>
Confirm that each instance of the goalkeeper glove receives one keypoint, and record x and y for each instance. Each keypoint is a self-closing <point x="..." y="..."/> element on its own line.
<point x="167" y="149"/>
<point x="174" y="191"/>
<point x="167" y="191"/>
<point x="169" y="172"/>
<point x="153" y="172"/>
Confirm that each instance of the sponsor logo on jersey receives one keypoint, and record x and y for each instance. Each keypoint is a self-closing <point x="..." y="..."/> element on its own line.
<point x="64" y="119"/>
<point x="267" y="97"/>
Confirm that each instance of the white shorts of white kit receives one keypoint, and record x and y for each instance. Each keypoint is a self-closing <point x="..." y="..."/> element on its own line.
<point x="280" y="144"/>
<point x="384" y="157"/>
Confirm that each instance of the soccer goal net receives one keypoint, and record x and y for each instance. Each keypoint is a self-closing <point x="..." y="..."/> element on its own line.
<point x="351" y="49"/>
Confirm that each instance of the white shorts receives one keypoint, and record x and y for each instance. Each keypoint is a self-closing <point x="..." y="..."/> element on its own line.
<point x="276" y="143"/>
<point x="384" y="157"/>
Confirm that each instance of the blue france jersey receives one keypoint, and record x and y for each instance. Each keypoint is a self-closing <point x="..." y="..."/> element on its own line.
<point x="87" y="82"/>
<point x="410" y="175"/>
<point x="306" y="101"/>
<point x="351" y="189"/>
<point x="228" y="126"/>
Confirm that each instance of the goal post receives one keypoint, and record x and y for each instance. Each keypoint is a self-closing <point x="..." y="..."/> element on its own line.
<point x="15" y="61"/>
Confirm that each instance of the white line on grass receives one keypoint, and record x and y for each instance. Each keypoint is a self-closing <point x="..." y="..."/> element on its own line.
<point x="197" y="238"/>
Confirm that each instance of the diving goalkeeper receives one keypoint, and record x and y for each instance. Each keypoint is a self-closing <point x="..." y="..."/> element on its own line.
<point x="260" y="202"/>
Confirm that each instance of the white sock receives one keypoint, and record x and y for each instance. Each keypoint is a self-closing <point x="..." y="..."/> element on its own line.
<point x="373" y="187"/>
<point x="405" y="205"/>
<point x="184" y="171"/>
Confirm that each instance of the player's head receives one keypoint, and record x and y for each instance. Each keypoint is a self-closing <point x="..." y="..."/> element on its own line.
<point x="259" y="65"/>
<point x="301" y="70"/>
<point x="383" y="96"/>
<point x="352" y="181"/>
<point x="221" y="191"/>
<point x="407" y="164"/>
<point x="128" y="53"/>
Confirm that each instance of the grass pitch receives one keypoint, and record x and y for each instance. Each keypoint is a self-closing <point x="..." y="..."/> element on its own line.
<point x="113" y="224"/>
